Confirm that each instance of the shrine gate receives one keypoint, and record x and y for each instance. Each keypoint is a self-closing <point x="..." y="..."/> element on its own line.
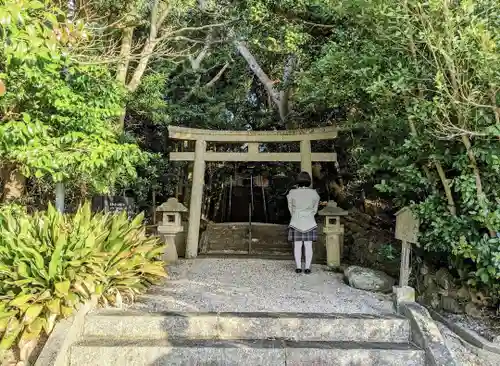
<point x="253" y="138"/>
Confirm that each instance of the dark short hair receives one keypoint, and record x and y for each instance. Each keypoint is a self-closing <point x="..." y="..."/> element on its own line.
<point x="304" y="179"/>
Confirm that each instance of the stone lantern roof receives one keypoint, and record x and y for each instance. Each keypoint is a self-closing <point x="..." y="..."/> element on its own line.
<point x="331" y="209"/>
<point x="172" y="205"/>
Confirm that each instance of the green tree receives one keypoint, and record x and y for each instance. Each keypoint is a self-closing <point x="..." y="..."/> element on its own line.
<point x="420" y="82"/>
<point x="57" y="115"/>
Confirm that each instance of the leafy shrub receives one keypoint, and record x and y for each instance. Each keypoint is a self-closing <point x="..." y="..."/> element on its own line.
<point x="50" y="263"/>
<point x="59" y="117"/>
<point x="484" y="253"/>
<point x="465" y="239"/>
<point x="424" y="104"/>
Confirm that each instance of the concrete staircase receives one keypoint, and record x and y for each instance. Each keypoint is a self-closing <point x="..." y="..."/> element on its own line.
<point x="135" y="338"/>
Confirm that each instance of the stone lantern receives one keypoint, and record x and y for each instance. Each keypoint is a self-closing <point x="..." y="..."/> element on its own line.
<point x="334" y="233"/>
<point x="170" y="226"/>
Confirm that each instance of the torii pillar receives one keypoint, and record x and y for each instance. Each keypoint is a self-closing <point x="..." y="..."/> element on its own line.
<point x="195" y="204"/>
<point x="306" y="157"/>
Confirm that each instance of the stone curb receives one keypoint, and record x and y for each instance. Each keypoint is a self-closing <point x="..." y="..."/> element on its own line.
<point x="296" y="326"/>
<point x="66" y="332"/>
<point x="466" y="334"/>
<point x="426" y="334"/>
<point x="108" y="351"/>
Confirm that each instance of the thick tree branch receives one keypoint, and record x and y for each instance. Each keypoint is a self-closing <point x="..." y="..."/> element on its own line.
<point x="447" y="188"/>
<point x="126" y="46"/>
<point x="257" y="70"/>
<point x="196" y="62"/>
<point x="284" y="105"/>
<point x="171" y="34"/>
<point x="152" y="42"/>
<point x="217" y="76"/>
<point x="156" y="19"/>
<point x="317" y="25"/>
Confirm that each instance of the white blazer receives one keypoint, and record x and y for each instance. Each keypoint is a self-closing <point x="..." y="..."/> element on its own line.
<point x="303" y="205"/>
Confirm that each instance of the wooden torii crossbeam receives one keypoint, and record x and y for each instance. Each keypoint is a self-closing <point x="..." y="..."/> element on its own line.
<point x="253" y="139"/>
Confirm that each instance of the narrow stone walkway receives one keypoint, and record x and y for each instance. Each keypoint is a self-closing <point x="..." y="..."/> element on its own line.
<point x="258" y="285"/>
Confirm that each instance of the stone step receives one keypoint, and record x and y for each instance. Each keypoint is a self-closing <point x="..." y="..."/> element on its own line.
<point x="256" y="245"/>
<point x="257" y="254"/>
<point x="110" y="352"/>
<point x="294" y="326"/>
<point x="221" y="247"/>
<point x="270" y="253"/>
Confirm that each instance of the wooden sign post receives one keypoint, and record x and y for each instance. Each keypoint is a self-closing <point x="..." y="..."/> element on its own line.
<point x="407" y="229"/>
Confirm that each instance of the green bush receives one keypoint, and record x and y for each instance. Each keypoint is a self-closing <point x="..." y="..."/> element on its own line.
<point x="50" y="263"/>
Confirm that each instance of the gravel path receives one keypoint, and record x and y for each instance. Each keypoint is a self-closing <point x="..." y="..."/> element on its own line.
<point x="258" y="285"/>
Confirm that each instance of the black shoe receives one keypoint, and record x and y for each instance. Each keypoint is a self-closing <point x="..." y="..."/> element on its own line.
<point x="298" y="270"/>
<point x="307" y="271"/>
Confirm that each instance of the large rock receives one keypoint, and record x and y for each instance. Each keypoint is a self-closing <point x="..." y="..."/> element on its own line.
<point x="368" y="279"/>
<point x="365" y="240"/>
<point x="451" y="305"/>
<point x="444" y="279"/>
<point x="472" y="310"/>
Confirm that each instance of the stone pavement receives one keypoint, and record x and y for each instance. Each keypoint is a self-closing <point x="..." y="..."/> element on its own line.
<point x="249" y="312"/>
<point x="250" y="285"/>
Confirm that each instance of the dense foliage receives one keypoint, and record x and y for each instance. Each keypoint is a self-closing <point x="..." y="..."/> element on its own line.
<point x="423" y="79"/>
<point x="51" y="263"/>
<point x="58" y="118"/>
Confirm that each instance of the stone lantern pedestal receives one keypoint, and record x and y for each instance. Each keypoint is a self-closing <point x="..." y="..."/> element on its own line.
<point x="170" y="226"/>
<point x="334" y="233"/>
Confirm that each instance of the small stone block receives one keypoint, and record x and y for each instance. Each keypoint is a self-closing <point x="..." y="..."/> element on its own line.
<point x="403" y="294"/>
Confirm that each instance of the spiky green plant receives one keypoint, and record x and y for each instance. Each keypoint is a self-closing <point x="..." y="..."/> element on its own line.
<point x="51" y="263"/>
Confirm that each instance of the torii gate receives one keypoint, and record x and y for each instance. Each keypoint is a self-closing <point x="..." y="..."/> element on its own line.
<point x="253" y="139"/>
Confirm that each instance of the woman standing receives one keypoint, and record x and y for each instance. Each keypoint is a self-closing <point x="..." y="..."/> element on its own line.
<point x="303" y="204"/>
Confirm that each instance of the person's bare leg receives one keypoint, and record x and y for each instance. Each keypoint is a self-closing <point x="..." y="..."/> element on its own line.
<point x="308" y="246"/>
<point x="297" y="252"/>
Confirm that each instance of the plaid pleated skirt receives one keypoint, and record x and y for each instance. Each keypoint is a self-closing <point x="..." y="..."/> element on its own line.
<point x="296" y="235"/>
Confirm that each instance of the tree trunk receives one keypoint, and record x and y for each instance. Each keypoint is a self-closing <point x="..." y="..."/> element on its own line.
<point x="141" y="67"/>
<point x="481" y="197"/>
<point x="257" y="70"/>
<point x="14" y="184"/>
<point x="122" y="70"/>
<point x="121" y="120"/>
<point x="447" y="189"/>
<point x="121" y="73"/>
<point x="149" y="47"/>
<point x="475" y="168"/>
<point x="60" y="197"/>
<point x="495" y="107"/>
<point x="284" y="105"/>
